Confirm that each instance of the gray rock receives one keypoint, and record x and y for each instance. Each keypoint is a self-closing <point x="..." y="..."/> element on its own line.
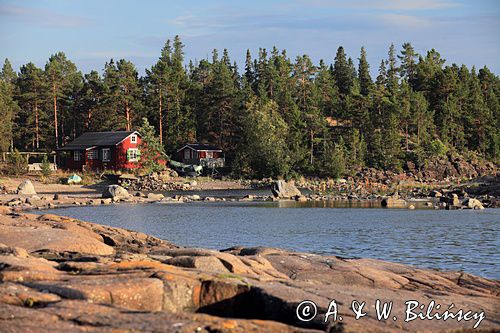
<point x="282" y="189"/>
<point x="155" y="196"/>
<point x="26" y="188"/>
<point x="116" y="192"/>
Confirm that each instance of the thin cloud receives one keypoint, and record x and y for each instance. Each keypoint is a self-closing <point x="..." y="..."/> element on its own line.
<point x="383" y="4"/>
<point x="405" y="21"/>
<point x="42" y="17"/>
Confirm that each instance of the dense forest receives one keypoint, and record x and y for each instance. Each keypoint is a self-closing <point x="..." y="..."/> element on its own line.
<point x="276" y="116"/>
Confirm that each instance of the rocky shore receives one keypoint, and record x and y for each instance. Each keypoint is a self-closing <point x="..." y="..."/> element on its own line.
<point x="479" y="196"/>
<point x="60" y="274"/>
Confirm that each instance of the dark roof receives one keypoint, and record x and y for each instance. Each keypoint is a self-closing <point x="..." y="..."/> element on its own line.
<point x="93" y="139"/>
<point x="201" y="146"/>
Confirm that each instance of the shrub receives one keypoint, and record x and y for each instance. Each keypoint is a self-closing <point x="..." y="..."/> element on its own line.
<point x="16" y="164"/>
<point x="335" y="161"/>
<point x="45" y="167"/>
<point x="437" y="148"/>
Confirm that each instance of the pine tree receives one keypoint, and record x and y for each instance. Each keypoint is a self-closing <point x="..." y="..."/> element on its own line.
<point x="408" y="63"/>
<point x="92" y="104"/>
<point x="110" y="102"/>
<point x="8" y="109"/>
<point x="157" y="80"/>
<point x="60" y="73"/>
<point x="8" y="75"/>
<point x="129" y="92"/>
<point x="32" y="120"/>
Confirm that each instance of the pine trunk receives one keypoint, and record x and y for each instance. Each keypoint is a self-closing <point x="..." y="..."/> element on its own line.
<point x="89" y="118"/>
<point x="127" y="116"/>
<point x="406" y="133"/>
<point x="56" y="133"/>
<point x="312" y="146"/>
<point x="160" y="119"/>
<point x="37" y="129"/>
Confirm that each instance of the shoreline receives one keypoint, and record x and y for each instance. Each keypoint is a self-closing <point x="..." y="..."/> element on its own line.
<point x="46" y="272"/>
<point x="73" y="197"/>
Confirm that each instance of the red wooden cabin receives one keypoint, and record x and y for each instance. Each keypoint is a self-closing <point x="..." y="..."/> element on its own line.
<point x="101" y="151"/>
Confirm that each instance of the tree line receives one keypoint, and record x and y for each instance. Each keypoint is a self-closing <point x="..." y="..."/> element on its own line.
<point x="274" y="117"/>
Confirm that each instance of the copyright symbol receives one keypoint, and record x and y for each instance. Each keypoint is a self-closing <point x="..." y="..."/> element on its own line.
<point x="306" y="311"/>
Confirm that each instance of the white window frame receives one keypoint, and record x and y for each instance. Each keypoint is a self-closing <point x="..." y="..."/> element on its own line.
<point x="106" y="154"/>
<point x="133" y="138"/>
<point x="93" y="154"/>
<point x="135" y="151"/>
<point x="76" y="155"/>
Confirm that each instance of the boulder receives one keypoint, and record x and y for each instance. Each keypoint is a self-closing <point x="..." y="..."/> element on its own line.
<point x="26" y="188"/>
<point x="155" y="196"/>
<point x="282" y="189"/>
<point x="116" y="192"/>
<point x="74" y="179"/>
<point x="473" y="203"/>
<point x="393" y="202"/>
<point x="204" y="263"/>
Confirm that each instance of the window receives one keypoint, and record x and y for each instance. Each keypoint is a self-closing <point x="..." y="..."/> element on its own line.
<point x="106" y="155"/>
<point x="92" y="154"/>
<point x="76" y="155"/>
<point x="210" y="154"/>
<point x="133" y="155"/>
<point x="187" y="154"/>
<point x="133" y="138"/>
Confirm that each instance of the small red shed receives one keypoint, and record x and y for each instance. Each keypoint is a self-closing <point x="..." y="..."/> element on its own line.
<point x="101" y="151"/>
<point x="201" y="154"/>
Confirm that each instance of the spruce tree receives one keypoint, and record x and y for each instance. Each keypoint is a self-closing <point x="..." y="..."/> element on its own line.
<point x="365" y="80"/>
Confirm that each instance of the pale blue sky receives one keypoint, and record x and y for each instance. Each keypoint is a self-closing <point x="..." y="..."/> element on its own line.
<point x="91" y="32"/>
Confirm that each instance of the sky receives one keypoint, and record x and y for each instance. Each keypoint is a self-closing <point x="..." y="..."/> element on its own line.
<point x="91" y="32"/>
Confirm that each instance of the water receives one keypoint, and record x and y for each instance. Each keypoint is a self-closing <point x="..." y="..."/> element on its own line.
<point x="448" y="240"/>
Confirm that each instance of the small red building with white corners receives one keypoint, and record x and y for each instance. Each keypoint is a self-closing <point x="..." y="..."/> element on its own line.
<point x="101" y="151"/>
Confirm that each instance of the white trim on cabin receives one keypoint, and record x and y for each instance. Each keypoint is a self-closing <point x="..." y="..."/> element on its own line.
<point x="106" y="155"/>
<point x="133" y="133"/>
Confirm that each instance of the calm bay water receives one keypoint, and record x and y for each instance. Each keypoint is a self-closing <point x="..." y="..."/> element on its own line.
<point x="449" y="240"/>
